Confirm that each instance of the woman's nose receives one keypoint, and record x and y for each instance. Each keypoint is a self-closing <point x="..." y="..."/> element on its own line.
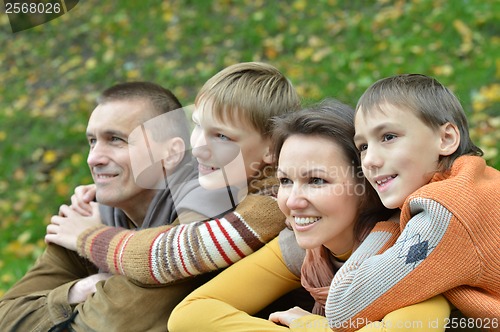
<point x="296" y="199"/>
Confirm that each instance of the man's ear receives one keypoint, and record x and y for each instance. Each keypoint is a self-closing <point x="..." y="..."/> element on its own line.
<point x="450" y="139"/>
<point x="176" y="151"/>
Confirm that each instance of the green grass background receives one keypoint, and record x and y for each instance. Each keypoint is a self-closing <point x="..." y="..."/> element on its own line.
<point x="50" y="76"/>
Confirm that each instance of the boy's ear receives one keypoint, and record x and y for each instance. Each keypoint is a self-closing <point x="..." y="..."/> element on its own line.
<point x="450" y="139"/>
<point x="268" y="156"/>
<point x="176" y="150"/>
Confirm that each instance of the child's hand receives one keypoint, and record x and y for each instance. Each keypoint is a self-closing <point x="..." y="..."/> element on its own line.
<point x="80" y="200"/>
<point x="66" y="227"/>
<point x="286" y="317"/>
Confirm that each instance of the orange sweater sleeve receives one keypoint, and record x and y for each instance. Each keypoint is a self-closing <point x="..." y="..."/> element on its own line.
<point x="448" y="242"/>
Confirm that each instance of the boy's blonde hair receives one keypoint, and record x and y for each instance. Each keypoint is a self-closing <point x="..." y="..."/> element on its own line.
<point x="430" y="101"/>
<point x="249" y="91"/>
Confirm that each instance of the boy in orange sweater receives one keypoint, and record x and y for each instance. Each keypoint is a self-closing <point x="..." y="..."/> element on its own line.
<point x="416" y="152"/>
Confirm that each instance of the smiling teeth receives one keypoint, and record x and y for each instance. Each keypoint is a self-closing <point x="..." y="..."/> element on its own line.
<point x="306" y="221"/>
<point x="386" y="179"/>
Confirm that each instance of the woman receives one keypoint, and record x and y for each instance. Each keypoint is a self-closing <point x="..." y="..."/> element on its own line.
<point x="330" y="208"/>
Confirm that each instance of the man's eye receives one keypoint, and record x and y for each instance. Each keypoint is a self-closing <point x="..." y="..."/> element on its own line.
<point x="92" y="141"/>
<point x="117" y="139"/>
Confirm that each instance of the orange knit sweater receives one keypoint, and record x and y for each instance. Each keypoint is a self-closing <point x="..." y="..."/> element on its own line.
<point x="450" y="243"/>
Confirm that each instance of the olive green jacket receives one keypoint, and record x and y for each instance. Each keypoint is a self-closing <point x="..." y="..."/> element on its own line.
<point x="38" y="302"/>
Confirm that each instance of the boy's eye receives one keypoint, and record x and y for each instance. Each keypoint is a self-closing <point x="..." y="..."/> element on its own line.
<point x="388" y="137"/>
<point x="317" y="181"/>
<point x="362" y="147"/>
<point x="222" y="137"/>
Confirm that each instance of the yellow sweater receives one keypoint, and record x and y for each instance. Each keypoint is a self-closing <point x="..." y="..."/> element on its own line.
<point x="227" y="302"/>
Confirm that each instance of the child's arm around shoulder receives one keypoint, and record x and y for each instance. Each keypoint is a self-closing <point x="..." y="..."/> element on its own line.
<point x="169" y="253"/>
<point x="380" y="279"/>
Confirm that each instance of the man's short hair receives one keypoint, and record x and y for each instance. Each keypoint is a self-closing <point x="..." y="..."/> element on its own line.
<point x="161" y="100"/>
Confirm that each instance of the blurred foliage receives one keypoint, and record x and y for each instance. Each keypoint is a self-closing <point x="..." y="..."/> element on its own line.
<point x="51" y="75"/>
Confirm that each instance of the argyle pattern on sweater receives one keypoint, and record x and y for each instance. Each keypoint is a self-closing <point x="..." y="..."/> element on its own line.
<point x="449" y="244"/>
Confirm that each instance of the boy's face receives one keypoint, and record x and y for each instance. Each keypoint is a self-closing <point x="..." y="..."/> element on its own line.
<point x="399" y="152"/>
<point x="236" y="147"/>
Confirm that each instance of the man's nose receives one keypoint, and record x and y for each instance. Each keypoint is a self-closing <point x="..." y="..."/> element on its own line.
<point x="97" y="155"/>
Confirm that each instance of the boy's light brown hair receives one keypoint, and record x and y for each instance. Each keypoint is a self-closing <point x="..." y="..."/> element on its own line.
<point x="430" y="101"/>
<point x="253" y="92"/>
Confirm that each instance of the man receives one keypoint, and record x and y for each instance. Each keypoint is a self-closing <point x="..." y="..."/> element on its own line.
<point x="244" y="229"/>
<point x="63" y="287"/>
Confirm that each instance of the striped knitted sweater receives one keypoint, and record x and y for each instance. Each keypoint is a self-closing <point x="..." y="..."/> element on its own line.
<point x="450" y="243"/>
<point x="169" y="253"/>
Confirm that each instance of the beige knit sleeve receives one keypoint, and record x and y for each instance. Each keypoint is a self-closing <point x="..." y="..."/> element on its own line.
<point x="168" y="253"/>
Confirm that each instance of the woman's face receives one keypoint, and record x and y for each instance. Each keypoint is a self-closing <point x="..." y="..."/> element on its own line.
<point x="318" y="192"/>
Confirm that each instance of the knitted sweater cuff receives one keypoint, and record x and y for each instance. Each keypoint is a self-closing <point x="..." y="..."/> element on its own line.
<point x="94" y="242"/>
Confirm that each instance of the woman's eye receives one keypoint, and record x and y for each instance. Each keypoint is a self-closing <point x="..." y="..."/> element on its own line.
<point x="388" y="137"/>
<point x="284" y="181"/>
<point x="317" y="181"/>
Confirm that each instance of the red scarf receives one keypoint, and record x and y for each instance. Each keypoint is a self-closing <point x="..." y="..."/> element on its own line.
<point x="316" y="276"/>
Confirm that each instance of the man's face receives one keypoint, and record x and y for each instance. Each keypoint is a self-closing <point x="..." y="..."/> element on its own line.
<point x="108" y="135"/>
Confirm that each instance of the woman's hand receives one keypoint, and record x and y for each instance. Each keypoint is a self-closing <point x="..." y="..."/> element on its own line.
<point x="80" y="200"/>
<point x="286" y="317"/>
<point x="65" y="228"/>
